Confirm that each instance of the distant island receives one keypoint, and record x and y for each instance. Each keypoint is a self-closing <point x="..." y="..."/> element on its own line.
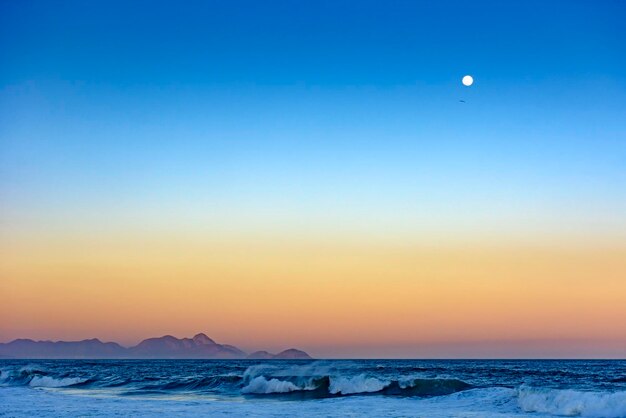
<point x="166" y="347"/>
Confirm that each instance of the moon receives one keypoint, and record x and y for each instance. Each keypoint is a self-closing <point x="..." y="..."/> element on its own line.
<point x="468" y="80"/>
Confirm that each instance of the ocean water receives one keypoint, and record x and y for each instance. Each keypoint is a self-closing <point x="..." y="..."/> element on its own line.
<point x="345" y="388"/>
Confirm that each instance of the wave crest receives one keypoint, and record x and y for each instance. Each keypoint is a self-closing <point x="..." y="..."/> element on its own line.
<point x="308" y="382"/>
<point x="36" y="377"/>
<point x="51" y="382"/>
<point x="572" y="402"/>
<point x="357" y="384"/>
<point x="260" y="385"/>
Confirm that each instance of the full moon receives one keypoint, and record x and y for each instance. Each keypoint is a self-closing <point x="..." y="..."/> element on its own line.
<point x="468" y="80"/>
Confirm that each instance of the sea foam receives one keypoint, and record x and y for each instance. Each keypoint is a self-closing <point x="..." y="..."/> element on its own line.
<point x="260" y="385"/>
<point x="572" y="402"/>
<point x="51" y="382"/>
<point x="357" y="384"/>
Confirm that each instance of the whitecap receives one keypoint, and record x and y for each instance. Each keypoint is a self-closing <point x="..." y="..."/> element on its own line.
<point x="572" y="402"/>
<point x="357" y="384"/>
<point x="260" y="385"/>
<point x="51" y="382"/>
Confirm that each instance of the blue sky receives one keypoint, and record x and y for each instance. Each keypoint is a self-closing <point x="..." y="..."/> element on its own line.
<point x="334" y="114"/>
<point x="224" y="167"/>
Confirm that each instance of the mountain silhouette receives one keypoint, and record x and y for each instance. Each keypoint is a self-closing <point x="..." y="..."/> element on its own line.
<point x="290" y="354"/>
<point x="166" y="347"/>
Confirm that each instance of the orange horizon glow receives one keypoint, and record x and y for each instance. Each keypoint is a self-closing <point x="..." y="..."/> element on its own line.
<point x="316" y="176"/>
<point x="331" y="297"/>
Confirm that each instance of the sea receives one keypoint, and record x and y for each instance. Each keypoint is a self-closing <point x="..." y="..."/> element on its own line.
<point x="321" y="388"/>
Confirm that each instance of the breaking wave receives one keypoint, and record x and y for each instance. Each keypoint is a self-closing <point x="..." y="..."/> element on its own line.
<point x="331" y="386"/>
<point x="572" y="403"/>
<point x="319" y="380"/>
<point x="51" y="382"/>
<point x="260" y="385"/>
<point x="35" y="377"/>
<point x="357" y="384"/>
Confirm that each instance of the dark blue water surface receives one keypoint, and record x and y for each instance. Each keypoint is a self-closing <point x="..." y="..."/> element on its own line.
<point x="252" y="378"/>
<point x="480" y="387"/>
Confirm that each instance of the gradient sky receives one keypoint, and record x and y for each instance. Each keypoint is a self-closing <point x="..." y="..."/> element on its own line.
<point x="304" y="174"/>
